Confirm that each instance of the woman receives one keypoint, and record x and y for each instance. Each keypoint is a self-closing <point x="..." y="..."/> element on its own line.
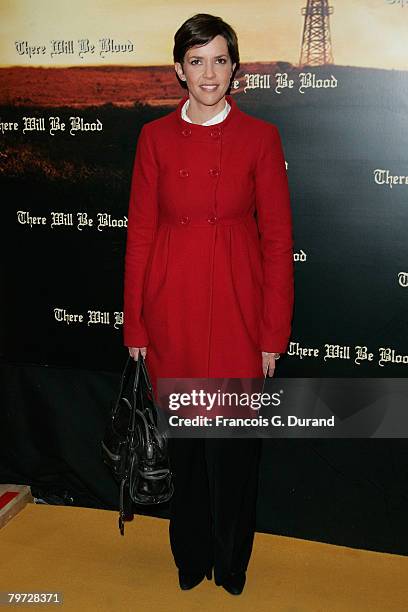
<point x="209" y="284"/>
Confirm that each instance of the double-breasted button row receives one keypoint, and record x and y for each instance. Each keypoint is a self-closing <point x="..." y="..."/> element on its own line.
<point x="214" y="132"/>
<point x="184" y="173"/>
<point x="185" y="220"/>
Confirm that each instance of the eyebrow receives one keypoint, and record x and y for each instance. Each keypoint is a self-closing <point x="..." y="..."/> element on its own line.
<point x="201" y="56"/>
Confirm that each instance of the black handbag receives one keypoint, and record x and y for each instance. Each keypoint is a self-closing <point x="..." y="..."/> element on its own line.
<point x="133" y="446"/>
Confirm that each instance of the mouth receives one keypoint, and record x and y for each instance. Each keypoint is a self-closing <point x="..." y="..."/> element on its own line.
<point x="209" y="87"/>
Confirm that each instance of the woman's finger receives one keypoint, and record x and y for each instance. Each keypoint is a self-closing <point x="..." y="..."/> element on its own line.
<point x="134" y="352"/>
<point x="265" y="362"/>
<point x="267" y="359"/>
<point x="271" y="367"/>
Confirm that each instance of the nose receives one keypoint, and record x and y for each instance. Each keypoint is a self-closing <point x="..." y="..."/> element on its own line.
<point x="209" y="71"/>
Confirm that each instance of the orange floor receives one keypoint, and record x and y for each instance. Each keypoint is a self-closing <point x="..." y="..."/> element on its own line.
<point x="79" y="552"/>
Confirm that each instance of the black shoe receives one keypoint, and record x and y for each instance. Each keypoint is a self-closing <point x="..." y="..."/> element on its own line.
<point x="188" y="580"/>
<point x="234" y="583"/>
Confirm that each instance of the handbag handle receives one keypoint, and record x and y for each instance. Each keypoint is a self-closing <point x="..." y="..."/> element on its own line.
<point x="141" y="369"/>
<point x="123" y="379"/>
<point x="145" y="372"/>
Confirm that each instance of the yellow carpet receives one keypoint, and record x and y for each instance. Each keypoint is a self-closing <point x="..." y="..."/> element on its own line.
<point x="80" y="552"/>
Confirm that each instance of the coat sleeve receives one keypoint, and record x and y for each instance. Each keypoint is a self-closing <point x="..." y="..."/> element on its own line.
<point x="274" y="217"/>
<point x="142" y="222"/>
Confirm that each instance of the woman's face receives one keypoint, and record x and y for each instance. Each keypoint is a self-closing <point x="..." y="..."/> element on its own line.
<point x="207" y="70"/>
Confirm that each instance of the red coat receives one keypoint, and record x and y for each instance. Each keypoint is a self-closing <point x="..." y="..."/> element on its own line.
<point x="207" y="285"/>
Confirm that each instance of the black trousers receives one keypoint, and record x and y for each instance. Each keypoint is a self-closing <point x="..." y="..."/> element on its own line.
<point x="213" y="508"/>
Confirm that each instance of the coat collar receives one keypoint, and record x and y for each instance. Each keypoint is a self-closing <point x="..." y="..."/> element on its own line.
<point x="195" y="129"/>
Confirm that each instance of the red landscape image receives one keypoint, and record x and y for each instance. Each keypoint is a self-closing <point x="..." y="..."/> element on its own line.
<point x="79" y="87"/>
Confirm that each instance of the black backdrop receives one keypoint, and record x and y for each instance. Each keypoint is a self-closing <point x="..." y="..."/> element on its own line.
<point x="58" y="379"/>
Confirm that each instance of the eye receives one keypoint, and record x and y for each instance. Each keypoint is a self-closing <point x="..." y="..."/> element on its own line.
<point x="222" y="60"/>
<point x="193" y="61"/>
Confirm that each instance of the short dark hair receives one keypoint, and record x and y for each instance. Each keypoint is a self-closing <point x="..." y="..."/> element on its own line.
<point x="199" y="30"/>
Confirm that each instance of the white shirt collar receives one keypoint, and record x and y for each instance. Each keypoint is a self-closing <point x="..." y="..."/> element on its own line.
<point x="217" y="119"/>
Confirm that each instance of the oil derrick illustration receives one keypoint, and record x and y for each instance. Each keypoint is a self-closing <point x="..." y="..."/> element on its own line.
<point x="316" y="40"/>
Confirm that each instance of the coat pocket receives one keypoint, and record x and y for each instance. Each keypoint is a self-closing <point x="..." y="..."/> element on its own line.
<point x="156" y="272"/>
<point x="254" y="253"/>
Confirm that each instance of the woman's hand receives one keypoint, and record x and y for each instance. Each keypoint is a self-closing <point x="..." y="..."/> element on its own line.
<point x="268" y="358"/>
<point x="134" y="351"/>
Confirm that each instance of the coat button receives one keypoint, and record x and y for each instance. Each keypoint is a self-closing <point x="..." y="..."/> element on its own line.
<point x="183" y="172"/>
<point x="184" y="220"/>
<point x="214" y="171"/>
<point x="215" y="133"/>
<point x="186" y="132"/>
<point x="212" y="220"/>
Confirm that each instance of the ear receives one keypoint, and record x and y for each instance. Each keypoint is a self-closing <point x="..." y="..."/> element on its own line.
<point x="179" y="70"/>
